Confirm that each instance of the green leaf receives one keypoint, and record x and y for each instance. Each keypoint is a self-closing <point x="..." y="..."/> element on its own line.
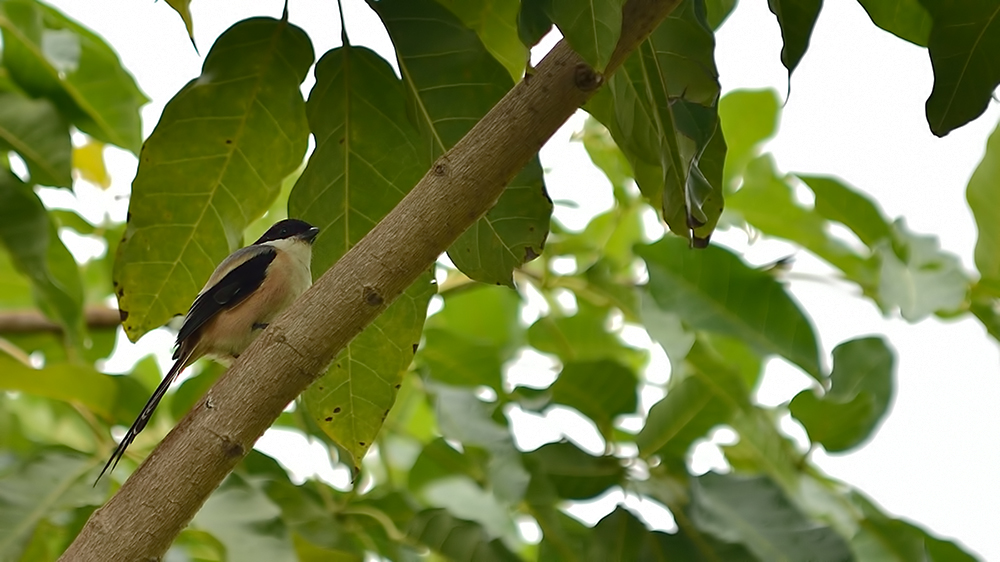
<point x="905" y="19"/>
<point x="15" y="288"/>
<point x="918" y="277"/>
<point x="6" y="84"/>
<point x="468" y="419"/>
<point x="52" y="538"/>
<point x="456" y="360"/>
<point x="214" y="164"/>
<point x="796" y="19"/>
<point x="512" y="232"/>
<point x="946" y="551"/>
<point x="983" y="305"/>
<point x="352" y="399"/>
<point x="246" y="522"/>
<point x="851" y="208"/>
<point x="767" y="201"/>
<point x="983" y="195"/>
<point x="564" y="538"/>
<point x="52" y="56"/>
<point x="964" y="42"/>
<point x="600" y="390"/>
<point x="754" y="512"/>
<point x="582" y="337"/>
<point x="667" y="330"/>
<point x="183" y="9"/>
<point x="573" y="473"/>
<point x="463" y="314"/>
<point x="309" y="552"/>
<point x="412" y="416"/>
<point x="709" y="391"/>
<point x="463" y="417"/>
<point x="838" y="426"/>
<point x="606" y="155"/>
<point x="748" y="118"/>
<point x="439" y="460"/>
<point x="858" y="399"/>
<point x="364" y="164"/>
<point x="604" y="280"/>
<point x="460" y="349"/>
<point x="661" y="546"/>
<point x="397" y="508"/>
<point x="76" y="384"/>
<point x="365" y="160"/>
<point x="881" y="537"/>
<point x="687" y="413"/>
<point x="603" y="251"/>
<point x="533" y="21"/>
<point x="714" y="290"/>
<point x="716" y="12"/>
<point x="732" y="361"/>
<point x="456" y="539"/>
<point x="763" y="449"/>
<point x="452" y="81"/>
<point x="699" y="199"/>
<point x="198" y="545"/>
<point x="35" y="248"/>
<point x="683" y="88"/>
<point x="660" y="109"/>
<point x="592" y="27"/>
<point x="38" y="133"/>
<point x="39" y="489"/>
<point x="496" y="24"/>
<point x="51" y="347"/>
<point x="276" y="212"/>
<point x="682" y="50"/>
<point x="618" y="536"/>
<point x="465" y="499"/>
<point x="622" y="536"/>
<point x="309" y="515"/>
<point x="862" y="365"/>
<point x="70" y="219"/>
<point x="97" y="274"/>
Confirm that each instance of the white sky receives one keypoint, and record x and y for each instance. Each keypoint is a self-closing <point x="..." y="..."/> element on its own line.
<point x="855" y="111"/>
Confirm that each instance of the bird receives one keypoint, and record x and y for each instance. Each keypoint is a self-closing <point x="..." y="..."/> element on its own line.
<point x="250" y="288"/>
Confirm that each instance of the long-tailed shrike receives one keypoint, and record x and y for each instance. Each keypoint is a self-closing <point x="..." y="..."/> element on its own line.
<point x="248" y="289"/>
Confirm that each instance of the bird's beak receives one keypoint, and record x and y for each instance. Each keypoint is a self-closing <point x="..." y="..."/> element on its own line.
<point x="309" y="235"/>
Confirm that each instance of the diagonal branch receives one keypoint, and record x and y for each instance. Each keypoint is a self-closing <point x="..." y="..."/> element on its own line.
<point x="143" y="518"/>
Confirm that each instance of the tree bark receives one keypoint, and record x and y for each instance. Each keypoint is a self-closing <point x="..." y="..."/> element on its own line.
<point x="160" y="498"/>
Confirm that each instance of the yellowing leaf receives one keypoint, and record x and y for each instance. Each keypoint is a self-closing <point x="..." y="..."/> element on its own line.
<point x="88" y="160"/>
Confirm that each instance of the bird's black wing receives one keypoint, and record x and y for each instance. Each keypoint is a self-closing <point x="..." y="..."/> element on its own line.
<point x="229" y="291"/>
<point x="236" y="284"/>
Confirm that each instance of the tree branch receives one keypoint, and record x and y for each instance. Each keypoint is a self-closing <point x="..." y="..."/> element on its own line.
<point x="23" y="321"/>
<point x="143" y="518"/>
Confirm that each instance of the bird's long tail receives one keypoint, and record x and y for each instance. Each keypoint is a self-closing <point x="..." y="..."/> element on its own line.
<point x="147" y="412"/>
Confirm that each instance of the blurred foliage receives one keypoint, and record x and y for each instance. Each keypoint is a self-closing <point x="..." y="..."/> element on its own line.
<point x="424" y="409"/>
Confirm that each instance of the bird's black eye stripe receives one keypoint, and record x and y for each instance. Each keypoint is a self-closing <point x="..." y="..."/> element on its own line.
<point x="286" y="228"/>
